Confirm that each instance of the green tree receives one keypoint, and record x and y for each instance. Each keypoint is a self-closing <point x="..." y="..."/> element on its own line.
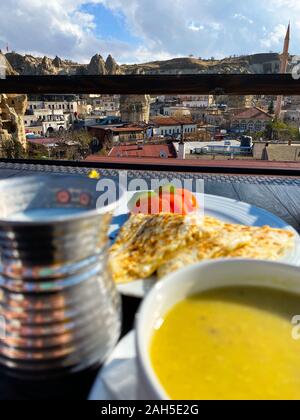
<point x="278" y="130"/>
<point x="12" y="149"/>
<point x="271" y="109"/>
<point x="75" y="145"/>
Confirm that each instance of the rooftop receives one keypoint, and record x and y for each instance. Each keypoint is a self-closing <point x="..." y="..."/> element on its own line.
<point x="253" y="113"/>
<point x="155" y="151"/>
<point x="167" y="121"/>
<point x="199" y="144"/>
<point x="43" y="141"/>
<point x="118" y="128"/>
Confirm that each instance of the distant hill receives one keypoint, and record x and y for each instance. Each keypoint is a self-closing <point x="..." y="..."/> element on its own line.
<point x="258" y="63"/>
<point x="248" y="64"/>
<point x="33" y="66"/>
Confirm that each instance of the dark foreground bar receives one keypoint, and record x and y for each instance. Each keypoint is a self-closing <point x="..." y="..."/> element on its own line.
<point x="217" y="84"/>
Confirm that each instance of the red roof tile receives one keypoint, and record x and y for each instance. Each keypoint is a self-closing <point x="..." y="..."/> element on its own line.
<point x="253" y="114"/>
<point x="127" y="129"/>
<point x="148" y="151"/>
<point x="43" y="141"/>
<point x="154" y="151"/>
<point x="167" y="121"/>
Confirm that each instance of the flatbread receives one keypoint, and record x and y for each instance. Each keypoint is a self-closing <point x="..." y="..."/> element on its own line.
<point x="164" y="243"/>
<point x="232" y="241"/>
<point x="145" y="242"/>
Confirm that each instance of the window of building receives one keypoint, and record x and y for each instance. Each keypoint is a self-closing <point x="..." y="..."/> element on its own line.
<point x="258" y="125"/>
<point x="250" y="125"/>
<point x="243" y="125"/>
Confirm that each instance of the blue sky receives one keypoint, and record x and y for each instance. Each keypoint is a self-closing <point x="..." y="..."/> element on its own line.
<point x="110" y="25"/>
<point x="145" y="30"/>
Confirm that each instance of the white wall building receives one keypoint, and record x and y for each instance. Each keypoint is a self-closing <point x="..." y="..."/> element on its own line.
<point x="45" y="122"/>
<point x="68" y="107"/>
<point x="291" y="116"/>
<point x="167" y="126"/>
<point x="176" y="111"/>
<point x="197" y="101"/>
<point x="108" y="105"/>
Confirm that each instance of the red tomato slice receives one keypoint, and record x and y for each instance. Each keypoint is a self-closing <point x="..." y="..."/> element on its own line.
<point x="174" y="203"/>
<point x="189" y="199"/>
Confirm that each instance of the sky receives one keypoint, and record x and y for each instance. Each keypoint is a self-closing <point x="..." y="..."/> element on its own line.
<point x="135" y="31"/>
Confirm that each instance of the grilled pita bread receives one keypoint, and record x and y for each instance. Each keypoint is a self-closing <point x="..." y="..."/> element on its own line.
<point x="232" y="241"/>
<point x="164" y="243"/>
<point x="145" y="242"/>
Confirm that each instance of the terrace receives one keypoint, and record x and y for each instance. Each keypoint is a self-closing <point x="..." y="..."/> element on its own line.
<point x="273" y="186"/>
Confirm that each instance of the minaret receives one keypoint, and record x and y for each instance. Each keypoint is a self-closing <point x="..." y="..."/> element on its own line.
<point x="283" y="68"/>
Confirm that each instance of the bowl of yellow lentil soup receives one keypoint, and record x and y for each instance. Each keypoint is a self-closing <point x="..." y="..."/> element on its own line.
<point x="225" y="330"/>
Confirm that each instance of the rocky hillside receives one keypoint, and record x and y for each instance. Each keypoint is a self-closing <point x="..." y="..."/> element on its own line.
<point x="37" y="66"/>
<point x="29" y="65"/>
<point x="248" y="64"/>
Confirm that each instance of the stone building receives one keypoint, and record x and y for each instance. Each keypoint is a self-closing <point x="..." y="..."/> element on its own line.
<point x="135" y="108"/>
<point x="251" y="120"/>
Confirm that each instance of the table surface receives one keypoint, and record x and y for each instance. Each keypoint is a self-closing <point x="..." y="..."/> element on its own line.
<point x="278" y="195"/>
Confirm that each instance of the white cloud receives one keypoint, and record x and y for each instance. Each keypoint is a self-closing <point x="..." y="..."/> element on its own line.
<point x="209" y="27"/>
<point x="274" y="38"/>
<point x="165" y="28"/>
<point x="195" y="27"/>
<point x="242" y="17"/>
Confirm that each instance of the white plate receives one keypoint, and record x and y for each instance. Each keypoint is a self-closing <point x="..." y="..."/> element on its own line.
<point x="117" y="378"/>
<point x="227" y="210"/>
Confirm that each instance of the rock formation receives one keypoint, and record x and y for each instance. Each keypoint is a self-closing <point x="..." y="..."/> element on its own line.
<point x="57" y="62"/>
<point x="28" y="65"/>
<point x="111" y="66"/>
<point x="96" y="66"/>
<point x="257" y="63"/>
<point x="6" y="67"/>
<point x="12" y="110"/>
<point x="23" y="65"/>
<point x="46" y="67"/>
<point x="135" y="108"/>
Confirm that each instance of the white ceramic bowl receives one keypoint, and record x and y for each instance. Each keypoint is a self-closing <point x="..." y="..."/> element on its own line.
<point x="193" y="280"/>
